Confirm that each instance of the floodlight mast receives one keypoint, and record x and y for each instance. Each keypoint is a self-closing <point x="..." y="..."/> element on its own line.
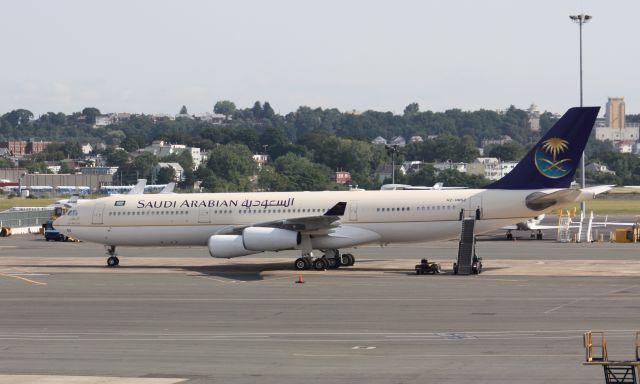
<point x="581" y="19"/>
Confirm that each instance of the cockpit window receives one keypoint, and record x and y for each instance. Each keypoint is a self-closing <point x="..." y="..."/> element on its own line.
<point x="72" y="212"/>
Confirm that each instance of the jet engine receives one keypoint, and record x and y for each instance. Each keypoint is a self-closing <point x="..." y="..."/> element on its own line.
<point x="270" y="239"/>
<point x="226" y="246"/>
<point x="252" y="240"/>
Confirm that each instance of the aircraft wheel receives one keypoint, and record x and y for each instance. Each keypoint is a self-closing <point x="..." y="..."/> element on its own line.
<point x="300" y="264"/>
<point x="509" y="236"/>
<point x="112" y="261"/>
<point x="351" y="259"/>
<point x="320" y="264"/>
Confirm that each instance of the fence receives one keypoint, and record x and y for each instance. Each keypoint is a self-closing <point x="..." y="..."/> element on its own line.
<point x="25" y="218"/>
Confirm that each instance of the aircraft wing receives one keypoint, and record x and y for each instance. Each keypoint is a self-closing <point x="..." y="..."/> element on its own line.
<point x="320" y="225"/>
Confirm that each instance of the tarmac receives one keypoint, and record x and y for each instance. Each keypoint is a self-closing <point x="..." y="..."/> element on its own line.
<point x="176" y="315"/>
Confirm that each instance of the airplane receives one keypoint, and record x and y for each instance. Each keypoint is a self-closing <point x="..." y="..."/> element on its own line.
<point x="532" y="224"/>
<point x="137" y="189"/>
<point x="406" y="187"/>
<point x="239" y="224"/>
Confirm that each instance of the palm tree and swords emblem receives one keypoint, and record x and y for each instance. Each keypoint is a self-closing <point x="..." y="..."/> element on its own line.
<point x="547" y="161"/>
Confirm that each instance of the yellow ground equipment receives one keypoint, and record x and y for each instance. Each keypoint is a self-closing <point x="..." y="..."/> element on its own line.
<point x="615" y="371"/>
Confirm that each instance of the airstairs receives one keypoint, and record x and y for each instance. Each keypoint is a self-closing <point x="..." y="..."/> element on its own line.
<point x="467" y="262"/>
<point x="615" y="371"/>
<point x="564" y="222"/>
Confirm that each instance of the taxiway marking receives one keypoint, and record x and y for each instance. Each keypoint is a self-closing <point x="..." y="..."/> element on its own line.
<point x="23" y="279"/>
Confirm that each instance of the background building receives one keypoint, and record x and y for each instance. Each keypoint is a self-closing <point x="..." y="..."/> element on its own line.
<point x="614" y="114"/>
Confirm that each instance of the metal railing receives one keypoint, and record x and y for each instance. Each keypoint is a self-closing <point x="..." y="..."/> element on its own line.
<point x="25" y="218"/>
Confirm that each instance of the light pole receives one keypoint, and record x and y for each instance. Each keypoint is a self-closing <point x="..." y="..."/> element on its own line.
<point x="391" y="151"/>
<point x="581" y="19"/>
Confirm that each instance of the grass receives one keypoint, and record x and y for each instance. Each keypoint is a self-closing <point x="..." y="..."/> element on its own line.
<point x="614" y="206"/>
<point x="6" y="203"/>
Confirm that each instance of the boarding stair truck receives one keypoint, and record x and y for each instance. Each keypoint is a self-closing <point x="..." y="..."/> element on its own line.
<point x="468" y="262"/>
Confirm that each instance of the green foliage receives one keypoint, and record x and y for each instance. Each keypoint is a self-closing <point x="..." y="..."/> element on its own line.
<point x="625" y="165"/>
<point x="165" y="175"/>
<point x="65" y="168"/>
<point x="224" y="107"/>
<point x="143" y="164"/>
<point x="18" y="117"/>
<point x="6" y="163"/>
<point x="506" y="152"/>
<point x="428" y="176"/>
<point x="90" y="114"/>
<point x="443" y="148"/>
<point x="411" y="110"/>
<point x="294" y="173"/>
<point x="184" y="159"/>
<point x="232" y="163"/>
<point x="326" y="138"/>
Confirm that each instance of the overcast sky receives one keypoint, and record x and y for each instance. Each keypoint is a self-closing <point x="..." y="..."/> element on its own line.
<point x="154" y="56"/>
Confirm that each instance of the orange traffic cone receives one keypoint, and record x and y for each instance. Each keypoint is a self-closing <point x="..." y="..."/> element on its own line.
<point x="300" y="281"/>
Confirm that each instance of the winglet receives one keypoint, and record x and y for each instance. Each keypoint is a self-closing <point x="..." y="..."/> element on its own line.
<point x="337" y="210"/>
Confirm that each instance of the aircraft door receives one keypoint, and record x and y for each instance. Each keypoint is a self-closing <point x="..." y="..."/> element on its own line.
<point x="353" y="211"/>
<point x="474" y="207"/>
<point x="98" y="212"/>
<point x="203" y="216"/>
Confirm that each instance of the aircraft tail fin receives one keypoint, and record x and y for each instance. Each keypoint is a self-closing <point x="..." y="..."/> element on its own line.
<point x="553" y="161"/>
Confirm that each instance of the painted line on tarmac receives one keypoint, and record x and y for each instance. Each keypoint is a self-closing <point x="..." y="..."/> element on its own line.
<point x="618" y="290"/>
<point x="294" y="277"/>
<point x="24" y="279"/>
<point x="220" y="280"/>
<point x="289" y="299"/>
<point x="27" y="274"/>
<point x="484" y="355"/>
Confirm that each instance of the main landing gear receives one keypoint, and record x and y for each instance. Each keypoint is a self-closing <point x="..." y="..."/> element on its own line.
<point x="112" y="260"/>
<point x="331" y="259"/>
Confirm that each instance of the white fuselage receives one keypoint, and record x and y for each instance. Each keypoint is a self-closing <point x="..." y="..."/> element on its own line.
<point x="380" y="216"/>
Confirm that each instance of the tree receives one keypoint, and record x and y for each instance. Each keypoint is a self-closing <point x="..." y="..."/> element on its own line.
<point x="117" y="157"/>
<point x="506" y="152"/>
<point x="271" y="180"/>
<point x="267" y="111"/>
<point x="256" y="110"/>
<point x="231" y="162"/>
<point x="165" y="175"/>
<point x="18" y="117"/>
<point x="411" y="109"/>
<point x="6" y="163"/>
<point x="90" y="114"/>
<point x="143" y="164"/>
<point x="224" y="107"/>
<point x="65" y="168"/>
<point x="183" y="110"/>
<point x="300" y="174"/>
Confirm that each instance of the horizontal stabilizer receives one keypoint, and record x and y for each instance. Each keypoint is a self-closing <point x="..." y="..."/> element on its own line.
<point x="539" y="201"/>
